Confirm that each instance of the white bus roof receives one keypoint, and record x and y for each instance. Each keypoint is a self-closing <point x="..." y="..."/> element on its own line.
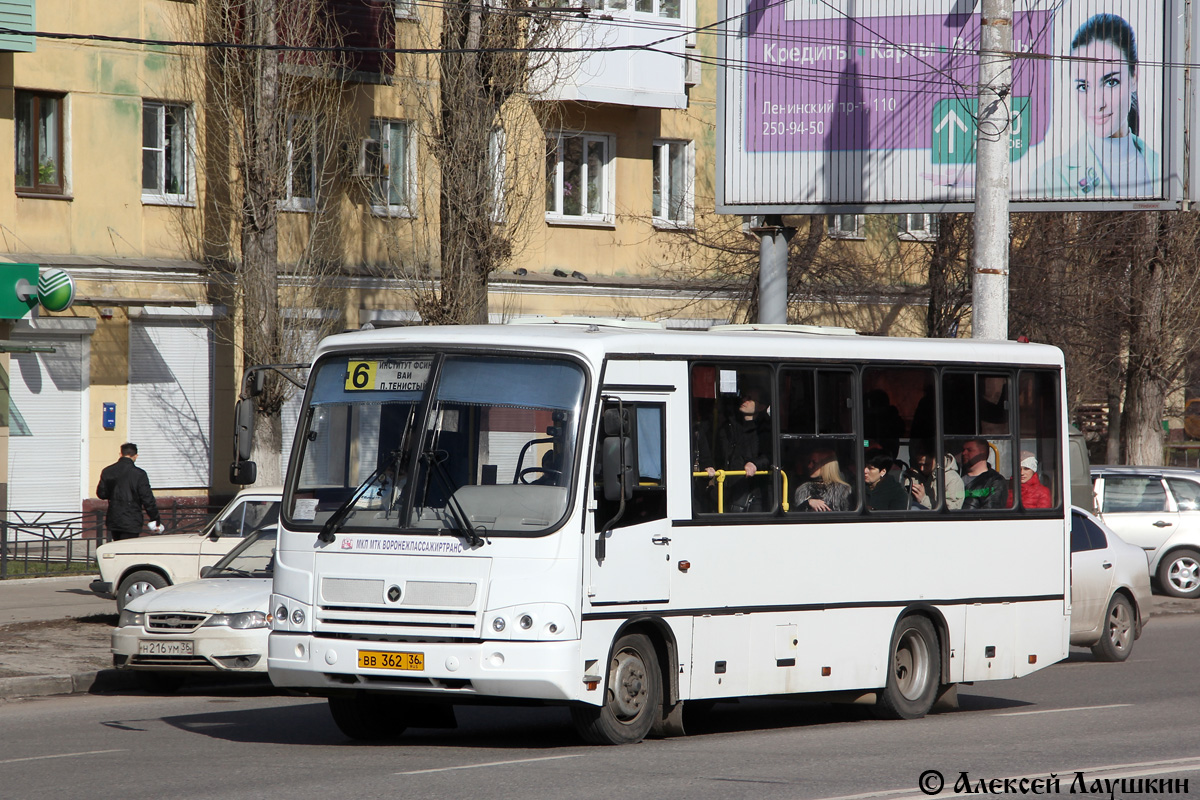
<point x="594" y="339"/>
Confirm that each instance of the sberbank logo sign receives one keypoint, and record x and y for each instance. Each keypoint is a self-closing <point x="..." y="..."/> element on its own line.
<point x="22" y="288"/>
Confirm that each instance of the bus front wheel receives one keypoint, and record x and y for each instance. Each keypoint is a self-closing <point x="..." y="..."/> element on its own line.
<point x="914" y="670"/>
<point x="633" y="696"/>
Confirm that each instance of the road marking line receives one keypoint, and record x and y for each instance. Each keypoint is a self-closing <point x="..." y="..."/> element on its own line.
<point x="490" y="764"/>
<point x="1059" y="710"/>
<point x="61" y="755"/>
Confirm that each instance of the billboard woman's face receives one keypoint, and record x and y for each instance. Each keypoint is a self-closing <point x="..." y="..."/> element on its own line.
<point x="1104" y="87"/>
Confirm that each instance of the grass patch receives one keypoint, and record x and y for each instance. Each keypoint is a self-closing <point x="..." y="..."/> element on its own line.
<point x="46" y="569"/>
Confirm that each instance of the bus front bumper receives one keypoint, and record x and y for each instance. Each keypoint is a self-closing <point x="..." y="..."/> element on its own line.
<point x="533" y="670"/>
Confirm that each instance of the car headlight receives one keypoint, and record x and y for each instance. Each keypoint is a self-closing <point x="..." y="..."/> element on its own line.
<point x="243" y="621"/>
<point x="131" y="618"/>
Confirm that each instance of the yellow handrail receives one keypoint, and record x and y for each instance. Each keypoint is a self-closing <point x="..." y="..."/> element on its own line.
<point x="720" y="476"/>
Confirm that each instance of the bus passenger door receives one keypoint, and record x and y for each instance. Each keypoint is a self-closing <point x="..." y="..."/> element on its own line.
<point x="630" y="562"/>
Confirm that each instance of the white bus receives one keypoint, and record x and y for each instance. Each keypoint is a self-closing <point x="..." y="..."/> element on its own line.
<point x="526" y="513"/>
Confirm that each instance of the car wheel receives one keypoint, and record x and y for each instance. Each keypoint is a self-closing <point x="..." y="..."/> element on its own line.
<point x="914" y="671"/>
<point x="1179" y="573"/>
<point x="138" y="584"/>
<point x="633" y="696"/>
<point x="1117" y="631"/>
<point x="368" y="718"/>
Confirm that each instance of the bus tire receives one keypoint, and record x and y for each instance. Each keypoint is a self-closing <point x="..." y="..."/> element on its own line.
<point x="368" y="718"/>
<point x="914" y="671"/>
<point x="633" y="696"/>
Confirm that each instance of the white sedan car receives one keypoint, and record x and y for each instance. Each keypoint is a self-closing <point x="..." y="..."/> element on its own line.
<point x="216" y="624"/>
<point x="1110" y="589"/>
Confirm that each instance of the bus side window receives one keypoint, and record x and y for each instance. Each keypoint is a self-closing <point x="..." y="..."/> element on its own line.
<point x="649" y="500"/>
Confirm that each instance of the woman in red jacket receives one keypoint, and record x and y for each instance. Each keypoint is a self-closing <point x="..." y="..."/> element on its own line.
<point x="1033" y="493"/>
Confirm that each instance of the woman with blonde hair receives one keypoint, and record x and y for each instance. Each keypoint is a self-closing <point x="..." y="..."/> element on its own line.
<point x="826" y="489"/>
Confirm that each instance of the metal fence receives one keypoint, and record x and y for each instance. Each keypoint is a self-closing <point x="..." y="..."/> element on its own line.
<point x="42" y="543"/>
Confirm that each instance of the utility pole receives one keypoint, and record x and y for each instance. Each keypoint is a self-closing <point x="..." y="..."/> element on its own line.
<point x="772" y="270"/>
<point x="989" y="283"/>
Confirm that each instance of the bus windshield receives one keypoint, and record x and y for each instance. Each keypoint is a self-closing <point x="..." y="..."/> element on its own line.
<point x="422" y="442"/>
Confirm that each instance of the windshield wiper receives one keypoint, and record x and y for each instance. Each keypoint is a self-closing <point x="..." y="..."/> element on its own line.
<point x="334" y="523"/>
<point x="241" y="573"/>
<point x="455" y="514"/>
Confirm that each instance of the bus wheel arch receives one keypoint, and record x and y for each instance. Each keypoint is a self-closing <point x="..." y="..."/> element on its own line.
<point x="915" y="667"/>
<point x="636" y="686"/>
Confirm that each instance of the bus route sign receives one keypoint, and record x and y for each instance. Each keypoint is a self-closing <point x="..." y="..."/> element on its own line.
<point x="387" y="376"/>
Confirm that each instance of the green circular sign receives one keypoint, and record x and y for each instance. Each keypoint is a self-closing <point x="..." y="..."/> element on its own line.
<point x="56" y="290"/>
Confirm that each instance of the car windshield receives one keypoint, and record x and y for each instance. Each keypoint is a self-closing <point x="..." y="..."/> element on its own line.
<point x="467" y="444"/>
<point x="253" y="558"/>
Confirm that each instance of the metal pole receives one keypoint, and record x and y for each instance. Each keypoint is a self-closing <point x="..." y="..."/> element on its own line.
<point x="773" y="270"/>
<point x="989" y="285"/>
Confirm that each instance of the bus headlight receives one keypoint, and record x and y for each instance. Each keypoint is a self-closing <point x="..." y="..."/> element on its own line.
<point x="498" y="624"/>
<point x="298" y="616"/>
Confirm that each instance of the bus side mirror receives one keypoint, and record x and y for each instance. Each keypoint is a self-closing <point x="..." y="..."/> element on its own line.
<point x="243" y="473"/>
<point x="255" y="383"/>
<point x="243" y="429"/>
<point x="618" y="468"/>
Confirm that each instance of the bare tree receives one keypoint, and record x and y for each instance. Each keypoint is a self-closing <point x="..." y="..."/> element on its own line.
<point x="477" y="113"/>
<point x="273" y="138"/>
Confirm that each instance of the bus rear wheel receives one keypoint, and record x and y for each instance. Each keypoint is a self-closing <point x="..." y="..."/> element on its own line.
<point x="633" y="696"/>
<point x="914" y="670"/>
<point x="368" y="718"/>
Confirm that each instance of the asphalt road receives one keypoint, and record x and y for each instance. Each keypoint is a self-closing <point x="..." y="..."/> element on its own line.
<point x="1138" y="720"/>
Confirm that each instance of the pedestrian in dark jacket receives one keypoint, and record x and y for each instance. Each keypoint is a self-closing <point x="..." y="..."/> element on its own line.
<point x="127" y="489"/>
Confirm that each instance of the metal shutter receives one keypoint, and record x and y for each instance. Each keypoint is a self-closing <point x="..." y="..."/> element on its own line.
<point x="45" y="471"/>
<point x="170" y="401"/>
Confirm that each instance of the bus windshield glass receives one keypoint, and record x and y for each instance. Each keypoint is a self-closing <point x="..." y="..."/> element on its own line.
<point x="433" y="443"/>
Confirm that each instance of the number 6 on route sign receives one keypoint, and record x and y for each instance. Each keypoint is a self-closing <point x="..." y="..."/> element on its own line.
<point x="361" y="375"/>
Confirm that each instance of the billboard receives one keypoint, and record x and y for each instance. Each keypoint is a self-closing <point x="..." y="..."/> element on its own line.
<point x="871" y="105"/>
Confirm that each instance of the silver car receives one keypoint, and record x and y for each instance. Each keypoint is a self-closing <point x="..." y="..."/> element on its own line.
<point x="1110" y="589"/>
<point x="1157" y="509"/>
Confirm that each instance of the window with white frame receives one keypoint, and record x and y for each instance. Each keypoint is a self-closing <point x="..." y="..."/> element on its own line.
<point x="301" y="187"/>
<point x="659" y="8"/>
<point x="387" y="165"/>
<point x="672" y="189"/>
<point x="498" y="161"/>
<point x="846" y="226"/>
<point x="404" y="9"/>
<point x="917" y="226"/>
<point x="579" y="177"/>
<point x="166" y="149"/>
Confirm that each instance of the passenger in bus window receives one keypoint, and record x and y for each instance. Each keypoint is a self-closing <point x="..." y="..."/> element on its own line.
<point x="883" y="492"/>
<point x="919" y="479"/>
<point x="825" y="490"/>
<point x="984" y="487"/>
<point x="924" y="492"/>
<point x="1033" y="493"/>
<point x="882" y="422"/>
<point x="744" y="443"/>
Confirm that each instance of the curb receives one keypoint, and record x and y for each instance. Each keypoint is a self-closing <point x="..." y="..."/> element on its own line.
<point x="97" y="681"/>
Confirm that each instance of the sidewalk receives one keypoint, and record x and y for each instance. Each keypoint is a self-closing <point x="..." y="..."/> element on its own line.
<point x="54" y="637"/>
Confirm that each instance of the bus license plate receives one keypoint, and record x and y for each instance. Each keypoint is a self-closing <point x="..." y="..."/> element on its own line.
<point x="375" y="659"/>
<point x="148" y="647"/>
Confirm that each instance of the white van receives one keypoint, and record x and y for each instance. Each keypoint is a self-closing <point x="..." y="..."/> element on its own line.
<point x="132" y="567"/>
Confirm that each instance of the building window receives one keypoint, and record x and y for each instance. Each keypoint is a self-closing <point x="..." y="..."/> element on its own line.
<point x="405" y="9"/>
<point x="846" y="226"/>
<point x="672" y="191"/>
<point x="388" y="167"/>
<point x="498" y="161"/>
<point x="579" y="177"/>
<point x="917" y="226"/>
<point x="659" y="8"/>
<point x="166" y="143"/>
<point x="38" y="120"/>
<point x="301" y="186"/>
